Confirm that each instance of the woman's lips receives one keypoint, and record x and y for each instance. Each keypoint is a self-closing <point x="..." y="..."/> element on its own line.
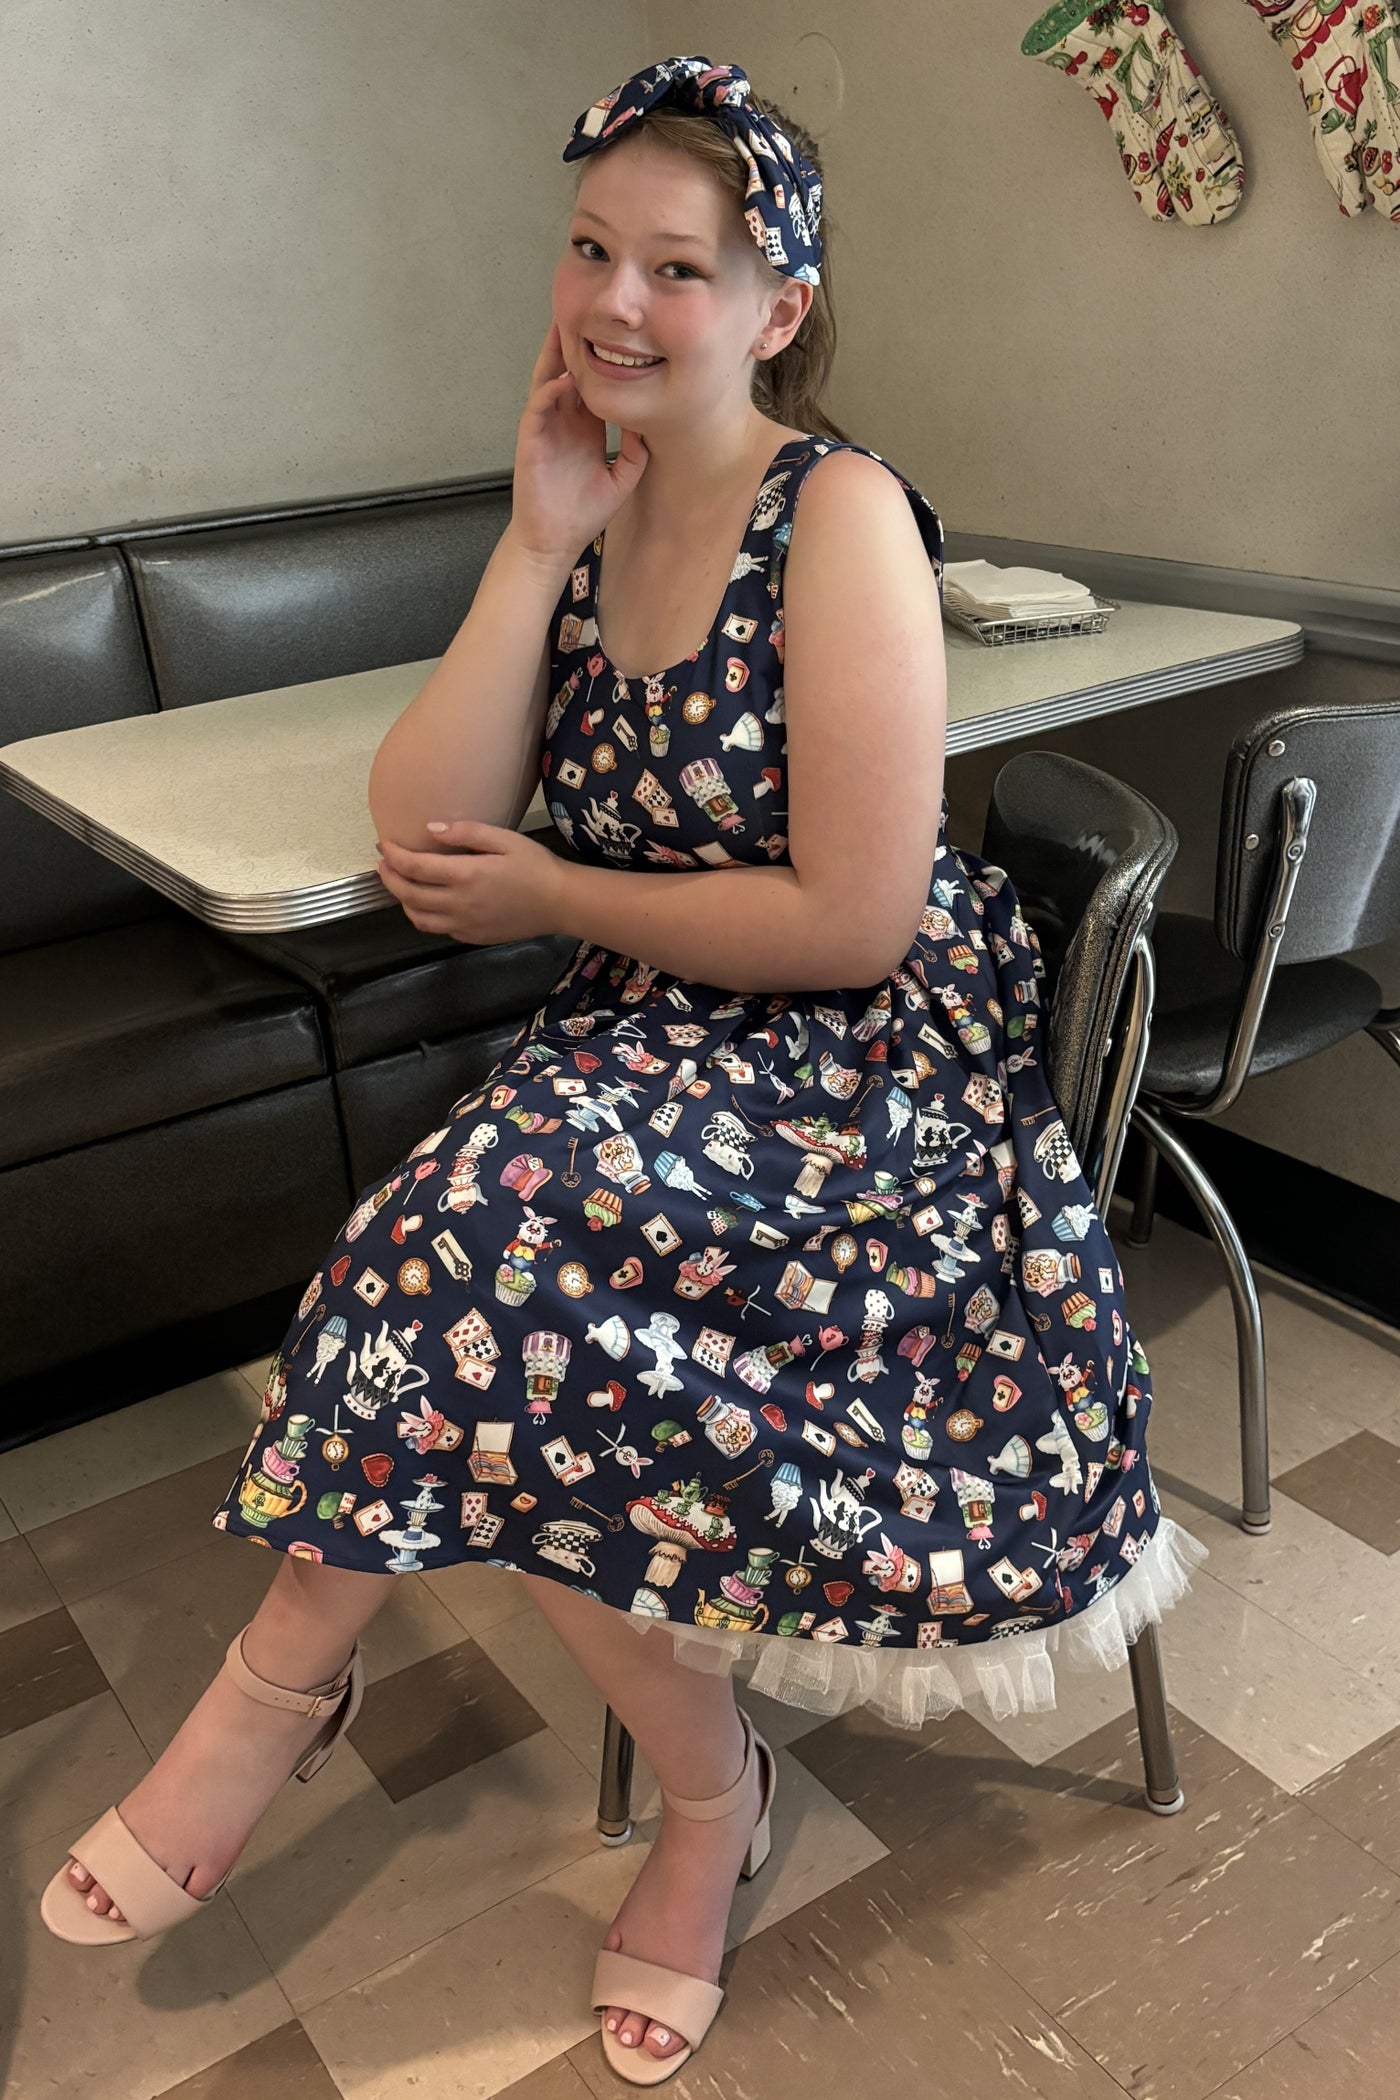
<point x="598" y="364"/>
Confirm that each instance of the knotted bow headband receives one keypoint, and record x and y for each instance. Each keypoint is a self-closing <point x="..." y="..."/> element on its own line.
<point x="783" y="199"/>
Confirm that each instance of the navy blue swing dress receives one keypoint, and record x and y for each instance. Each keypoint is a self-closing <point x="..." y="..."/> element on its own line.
<point x="784" y="1324"/>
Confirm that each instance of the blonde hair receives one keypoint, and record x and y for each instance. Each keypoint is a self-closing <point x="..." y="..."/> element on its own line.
<point x="788" y="386"/>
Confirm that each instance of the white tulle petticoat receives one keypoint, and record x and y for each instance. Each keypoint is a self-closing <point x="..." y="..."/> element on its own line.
<point x="1013" y="1673"/>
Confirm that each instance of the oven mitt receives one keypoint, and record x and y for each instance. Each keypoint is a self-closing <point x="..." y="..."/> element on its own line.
<point x="1179" y="154"/>
<point x="1347" y="60"/>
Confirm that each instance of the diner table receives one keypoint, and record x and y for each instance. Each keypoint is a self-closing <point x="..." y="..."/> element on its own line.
<point x="252" y="812"/>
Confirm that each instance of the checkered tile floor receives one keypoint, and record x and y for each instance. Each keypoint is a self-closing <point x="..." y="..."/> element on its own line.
<point x="974" y="1910"/>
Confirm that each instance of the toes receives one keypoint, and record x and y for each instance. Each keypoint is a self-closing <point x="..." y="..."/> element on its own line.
<point x="635" y="2030"/>
<point x="661" y="2042"/>
<point x="98" y="1901"/>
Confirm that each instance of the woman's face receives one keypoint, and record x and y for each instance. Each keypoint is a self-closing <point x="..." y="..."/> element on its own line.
<point x="627" y="279"/>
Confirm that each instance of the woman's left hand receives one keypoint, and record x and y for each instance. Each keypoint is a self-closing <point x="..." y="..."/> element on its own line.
<point x="482" y="884"/>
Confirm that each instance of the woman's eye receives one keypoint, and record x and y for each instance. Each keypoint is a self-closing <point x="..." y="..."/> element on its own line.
<point x="584" y="242"/>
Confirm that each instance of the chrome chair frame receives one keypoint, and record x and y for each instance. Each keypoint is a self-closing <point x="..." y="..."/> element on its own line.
<point x="1298" y="796"/>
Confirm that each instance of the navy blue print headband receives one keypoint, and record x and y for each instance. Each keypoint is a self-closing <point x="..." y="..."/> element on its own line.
<point x="783" y="201"/>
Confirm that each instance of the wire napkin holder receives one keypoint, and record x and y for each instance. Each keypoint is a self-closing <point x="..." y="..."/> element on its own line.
<point x="1044" y="627"/>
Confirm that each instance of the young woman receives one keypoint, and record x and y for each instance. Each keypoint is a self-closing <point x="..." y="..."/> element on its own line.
<point x="755" y="1303"/>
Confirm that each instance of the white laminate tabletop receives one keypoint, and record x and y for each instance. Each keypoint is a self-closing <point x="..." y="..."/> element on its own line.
<point x="252" y="813"/>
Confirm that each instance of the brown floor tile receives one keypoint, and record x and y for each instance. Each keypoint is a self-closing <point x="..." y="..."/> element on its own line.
<point x="278" y="2066"/>
<point x="45" y="1666"/>
<point x="1356" y="1485"/>
<point x="1350" y="2051"/>
<point x="869" y="1990"/>
<point x="1362" y="1798"/>
<point x="437" y="1717"/>
<point x="553" y="2081"/>
<point x="905" y="1786"/>
<point x="147" y="1527"/>
<point x="1174" y="1949"/>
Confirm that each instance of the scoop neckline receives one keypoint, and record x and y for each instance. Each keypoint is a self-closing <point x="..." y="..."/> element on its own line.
<point x="642" y="677"/>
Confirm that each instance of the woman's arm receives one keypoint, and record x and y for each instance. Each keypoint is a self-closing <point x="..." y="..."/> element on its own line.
<point x="865" y="701"/>
<point x="463" y="745"/>
<point x="865" y="690"/>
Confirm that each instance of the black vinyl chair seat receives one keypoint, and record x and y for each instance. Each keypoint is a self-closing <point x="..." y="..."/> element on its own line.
<point x="115" y="1030"/>
<point x="385" y="985"/>
<point x="1312" y="1005"/>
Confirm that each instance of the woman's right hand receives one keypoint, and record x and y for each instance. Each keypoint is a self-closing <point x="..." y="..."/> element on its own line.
<point x="565" y="489"/>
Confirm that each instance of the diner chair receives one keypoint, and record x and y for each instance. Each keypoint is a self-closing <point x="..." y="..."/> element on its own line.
<point x="1086" y="855"/>
<point x="1307" y="872"/>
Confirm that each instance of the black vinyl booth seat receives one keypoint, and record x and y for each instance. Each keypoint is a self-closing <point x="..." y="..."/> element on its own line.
<point x="108" y="1032"/>
<point x="383" y="985"/>
<point x="186" y="1115"/>
<point x="1307" y="872"/>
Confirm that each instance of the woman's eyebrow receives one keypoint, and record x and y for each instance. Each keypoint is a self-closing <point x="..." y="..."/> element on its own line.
<point x="697" y="240"/>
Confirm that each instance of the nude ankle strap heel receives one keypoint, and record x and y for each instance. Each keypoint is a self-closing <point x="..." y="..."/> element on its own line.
<point x="687" y="2004"/>
<point x="703" y="1810"/>
<point x="322" y="1699"/>
<point x="150" y="1900"/>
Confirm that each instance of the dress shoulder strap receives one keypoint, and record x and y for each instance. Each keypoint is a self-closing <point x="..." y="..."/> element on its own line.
<point x="925" y="516"/>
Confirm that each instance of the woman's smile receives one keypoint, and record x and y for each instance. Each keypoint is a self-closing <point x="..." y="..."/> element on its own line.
<point x="600" y="364"/>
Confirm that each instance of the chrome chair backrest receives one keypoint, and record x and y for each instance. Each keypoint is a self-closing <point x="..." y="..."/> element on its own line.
<point x="1346" y="889"/>
<point x="1086" y="855"/>
<point x="1308" y="862"/>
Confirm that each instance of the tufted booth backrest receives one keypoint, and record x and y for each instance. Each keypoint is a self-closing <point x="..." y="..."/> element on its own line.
<point x="243" y="608"/>
<point x="70" y="653"/>
<point x="201" y="609"/>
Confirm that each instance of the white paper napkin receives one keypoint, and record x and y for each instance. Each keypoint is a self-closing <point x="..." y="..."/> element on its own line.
<point x="991" y="593"/>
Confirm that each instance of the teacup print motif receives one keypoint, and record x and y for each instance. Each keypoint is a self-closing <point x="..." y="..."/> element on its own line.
<point x="782" y="1323"/>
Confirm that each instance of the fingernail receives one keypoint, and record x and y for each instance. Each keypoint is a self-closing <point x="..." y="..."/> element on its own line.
<point x="437" y="827"/>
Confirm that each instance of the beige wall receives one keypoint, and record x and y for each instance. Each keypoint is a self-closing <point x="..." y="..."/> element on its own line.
<point x="260" y="250"/>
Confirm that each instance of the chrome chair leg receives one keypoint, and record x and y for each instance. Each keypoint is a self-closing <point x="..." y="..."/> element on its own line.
<point x="1386" y="1031"/>
<point x="1164" y="1795"/>
<point x="1139" y="1231"/>
<point x="615" y="1783"/>
<point x="1255" y="1516"/>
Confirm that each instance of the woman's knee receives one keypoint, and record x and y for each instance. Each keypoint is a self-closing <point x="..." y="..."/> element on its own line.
<point x="320" y="1581"/>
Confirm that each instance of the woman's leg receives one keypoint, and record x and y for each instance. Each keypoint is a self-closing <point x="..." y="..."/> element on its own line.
<point x="197" y="1806"/>
<point x="687" y="1726"/>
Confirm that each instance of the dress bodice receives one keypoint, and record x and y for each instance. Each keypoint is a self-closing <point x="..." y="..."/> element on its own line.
<point x="685" y="767"/>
